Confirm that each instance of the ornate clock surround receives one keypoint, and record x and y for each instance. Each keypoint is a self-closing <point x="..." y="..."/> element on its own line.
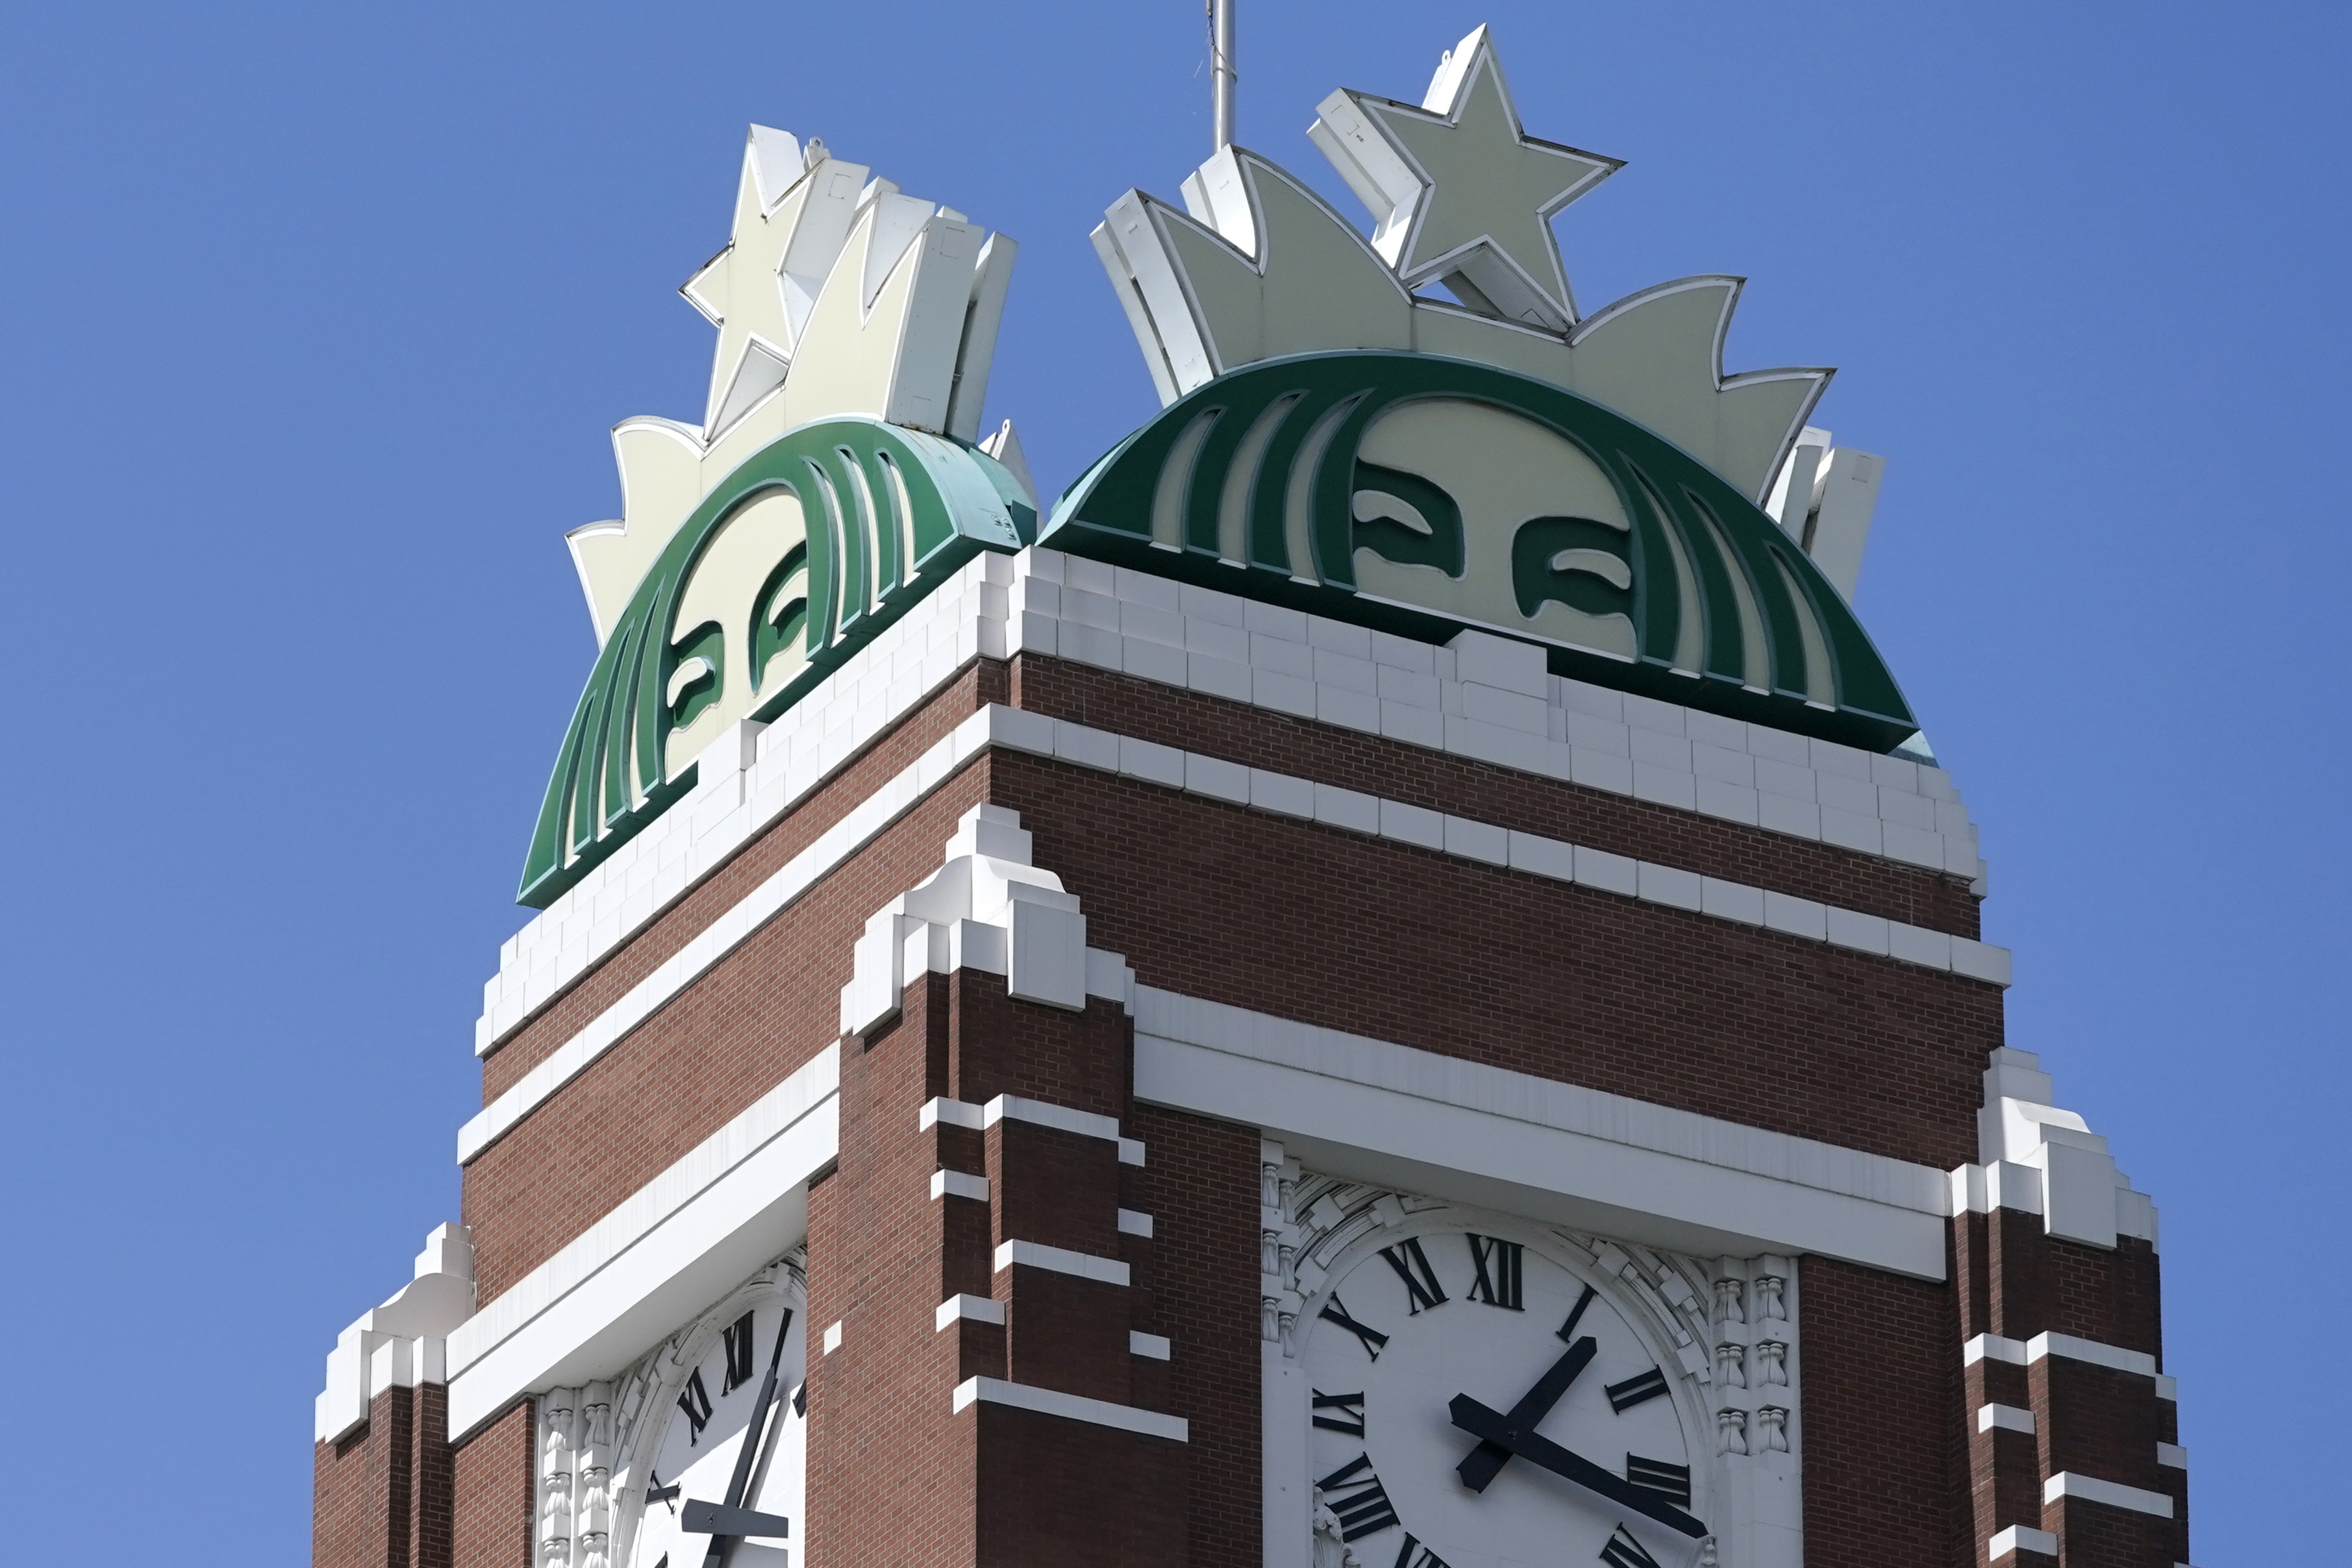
<point x="1726" y="1329"/>
<point x="595" y="1440"/>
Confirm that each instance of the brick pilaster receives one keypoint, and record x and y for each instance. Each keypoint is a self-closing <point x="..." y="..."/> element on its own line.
<point x="2014" y="1281"/>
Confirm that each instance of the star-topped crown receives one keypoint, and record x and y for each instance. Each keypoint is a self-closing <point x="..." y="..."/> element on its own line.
<point x="837" y="295"/>
<point x="1257" y="267"/>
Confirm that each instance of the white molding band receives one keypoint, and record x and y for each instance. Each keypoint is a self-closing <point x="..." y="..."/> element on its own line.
<point x="1496" y="707"/>
<point x="1374" y="1111"/>
<point x="964" y="1308"/>
<point x="959" y="1184"/>
<point x="1061" y="1260"/>
<point x="1993" y="1347"/>
<point x="2021" y="1538"/>
<point x="2116" y="1358"/>
<point x="1150" y="1346"/>
<point x="1045" y="1113"/>
<point x="737" y="1201"/>
<point x="2115" y="1494"/>
<point x="2005" y="1417"/>
<point x="1070" y="1407"/>
<point x="1467" y="838"/>
<point x="2069" y="1347"/>
<point x="1042" y="1112"/>
<point x="2172" y="1457"/>
<point x="1134" y="1222"/>
<point x="954" y="1112"/>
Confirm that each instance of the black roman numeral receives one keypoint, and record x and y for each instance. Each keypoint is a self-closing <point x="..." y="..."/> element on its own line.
<point x="1497" y="1267"/>
<point x="1576" y="1314"/>
<point x="1356" y="1497"/>
<point x="1624" y="1397"/>
<point x="1625" y="1552"/>
<point x="1669" y="1481"/>
<point x="1412" y="1265"/>
<point x="1427" y="1559"/>
<point x="1335" y="1311"/>
<point x="1350" y="1409"/>
<point x="738" y="1355"/>
<point x="695" y="1400"/>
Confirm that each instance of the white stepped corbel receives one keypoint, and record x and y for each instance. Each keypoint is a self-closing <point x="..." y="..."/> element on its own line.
<point x="404" y="1341"/>
<point x="987" y="907"/>
<point x="2039" y="1160"/>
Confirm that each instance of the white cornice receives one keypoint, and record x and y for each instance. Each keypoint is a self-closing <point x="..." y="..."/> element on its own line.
<point x="1374" y="1111"/>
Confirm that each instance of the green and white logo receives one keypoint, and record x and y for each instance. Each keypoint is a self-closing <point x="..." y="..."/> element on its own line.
<point x="1423" y="495"/>
<point x="1333" y="437"/>
<point x="834" y="481"/>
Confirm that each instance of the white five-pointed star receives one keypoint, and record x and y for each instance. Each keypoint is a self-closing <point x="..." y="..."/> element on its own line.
<point x="751" y="289"/>
<point x="1461" y="190"/>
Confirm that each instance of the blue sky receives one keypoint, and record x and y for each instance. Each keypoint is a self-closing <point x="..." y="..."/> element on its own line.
<point x="312" y="322"/>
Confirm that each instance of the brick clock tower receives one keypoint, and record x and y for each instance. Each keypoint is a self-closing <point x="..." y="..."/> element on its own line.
<point x="1389" y="981"/>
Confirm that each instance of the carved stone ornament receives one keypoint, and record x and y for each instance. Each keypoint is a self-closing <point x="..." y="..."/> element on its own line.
<point x="595" y="1441"/>
<point x="1693" y="1314"/>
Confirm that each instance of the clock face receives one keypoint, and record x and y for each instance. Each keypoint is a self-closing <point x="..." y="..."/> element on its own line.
<point x="1477" y="1405"/>
<point x="708" y="1416"/>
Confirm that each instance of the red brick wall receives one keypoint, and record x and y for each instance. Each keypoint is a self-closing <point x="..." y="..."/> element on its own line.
<point x="1881" y="1413"/>
<point x="891" y="1477"/>
<point x="2011" y="1277"/>
<point x="1515" y="970"/>
<point x="1199" y="1183"/>
<point x="350" y="1522"/>
<point x="492" y="1494"/>
<point x="1307" y="923"/>
<point x="1417" y="776"/>
<point x="747" y="1024"/>
<point x="382" y="1496"/>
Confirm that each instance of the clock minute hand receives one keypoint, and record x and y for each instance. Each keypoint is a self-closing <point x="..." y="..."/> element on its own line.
<point x="1485" y="1461"/>
<point x="1480" y="1421"/>
<point x="723" y="1544"/>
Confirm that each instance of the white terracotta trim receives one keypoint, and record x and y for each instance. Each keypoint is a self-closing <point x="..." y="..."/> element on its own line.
<point x="737" y="1201"/>
<point x="1070" y="1407"/>
<point x="1379" y="1112"/>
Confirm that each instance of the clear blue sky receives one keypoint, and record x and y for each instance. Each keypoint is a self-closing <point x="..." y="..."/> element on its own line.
<point x="312" y="321"/>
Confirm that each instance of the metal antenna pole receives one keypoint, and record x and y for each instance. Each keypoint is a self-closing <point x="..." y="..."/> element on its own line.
<point x="1221" y="59"/>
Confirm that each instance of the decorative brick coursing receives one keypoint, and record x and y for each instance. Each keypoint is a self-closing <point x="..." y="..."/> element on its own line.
<point x="491" y="1497"/>
<point x="1881" y="1415"/>
<point x="896" y="1475"/>
<point x="890" y="1471"/>
<point x="979" y="684"/>
<point x="381" y="1497"/>
<point x="1329" y="754"/>
<point x="754" y="1018"/>
<point x="1200" y="1184"/>
<point x="2011" y="1278"/>
<point x="1513" y="970"/>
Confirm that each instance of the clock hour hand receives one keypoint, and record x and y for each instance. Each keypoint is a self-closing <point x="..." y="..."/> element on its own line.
<point x="1485" y="1461"/>
<point x="1492" y="1427"/>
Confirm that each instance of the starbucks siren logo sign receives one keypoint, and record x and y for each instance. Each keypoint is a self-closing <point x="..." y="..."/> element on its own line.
<point x="1335" y="440"/>
<point x="1334" y="436"/>
<point x="833" y="481"/>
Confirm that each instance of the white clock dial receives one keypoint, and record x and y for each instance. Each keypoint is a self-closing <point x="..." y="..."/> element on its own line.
<point x="1422" y="1339"/>
<point x="709" y="1413"/>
